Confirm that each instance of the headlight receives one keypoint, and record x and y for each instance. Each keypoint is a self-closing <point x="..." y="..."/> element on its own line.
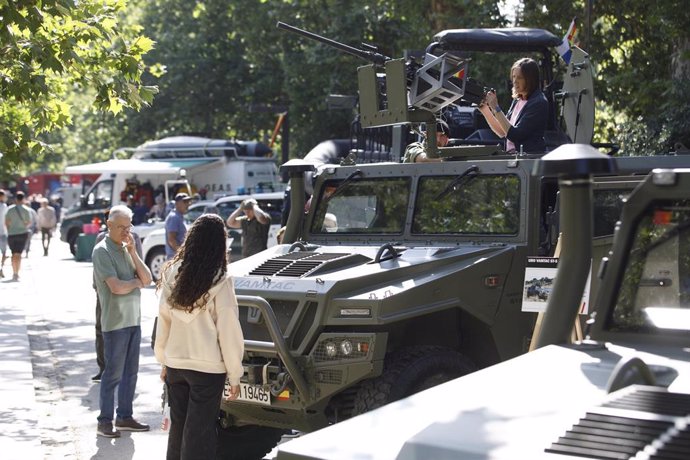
<point x="333" y="347"/>
<point x="346" y="347"/>
<point x="331" y="350"/>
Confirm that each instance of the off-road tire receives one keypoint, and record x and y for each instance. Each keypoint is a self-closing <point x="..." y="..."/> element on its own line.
<point x="409" y="371"/>
<point x="250" y="442"/>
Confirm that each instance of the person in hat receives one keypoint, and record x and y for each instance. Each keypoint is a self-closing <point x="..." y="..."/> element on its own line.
<point x="255" y="224"/>
<point x="175" y="229"/>
<point x="416" y="151"/>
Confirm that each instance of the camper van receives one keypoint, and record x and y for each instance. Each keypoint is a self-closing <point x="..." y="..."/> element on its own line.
<point x="211" y="167"/>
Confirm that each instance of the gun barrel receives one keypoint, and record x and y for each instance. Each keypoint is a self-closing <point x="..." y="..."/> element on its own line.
<point x="371" y="56"/>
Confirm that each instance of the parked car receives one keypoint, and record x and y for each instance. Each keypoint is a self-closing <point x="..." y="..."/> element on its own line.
<point x="198" y="208"/>
<point x="271" y="202"/>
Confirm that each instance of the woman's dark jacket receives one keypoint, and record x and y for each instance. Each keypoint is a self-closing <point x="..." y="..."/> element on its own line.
<point x="530" y="125"/>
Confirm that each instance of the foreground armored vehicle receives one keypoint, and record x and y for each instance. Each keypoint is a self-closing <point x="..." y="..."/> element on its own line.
<point x="419" y="282"/>
<point x="624" y="393"/>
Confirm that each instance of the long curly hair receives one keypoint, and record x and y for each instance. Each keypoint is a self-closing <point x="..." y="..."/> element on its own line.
<point x="203" y="263"/>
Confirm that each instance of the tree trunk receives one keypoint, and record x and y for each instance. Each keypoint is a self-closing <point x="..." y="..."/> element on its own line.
<point x="680" y="60"/>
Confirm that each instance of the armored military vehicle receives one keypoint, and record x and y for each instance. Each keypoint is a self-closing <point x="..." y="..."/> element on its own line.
<point x="623" y="393"/>
<point x="399" y="277"/>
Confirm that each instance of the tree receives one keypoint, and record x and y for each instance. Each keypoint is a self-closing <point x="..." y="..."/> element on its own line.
<point x="642" y="56"/>
<point x="224" y="65"/>
<point x="51" y="48"/>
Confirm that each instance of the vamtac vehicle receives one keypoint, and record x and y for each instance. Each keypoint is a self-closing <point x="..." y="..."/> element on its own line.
<point x="623" y="393"/>
<point x="400" y="277"/>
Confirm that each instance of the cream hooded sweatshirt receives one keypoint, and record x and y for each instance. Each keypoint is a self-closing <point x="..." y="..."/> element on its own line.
<point x="208" y="339"/>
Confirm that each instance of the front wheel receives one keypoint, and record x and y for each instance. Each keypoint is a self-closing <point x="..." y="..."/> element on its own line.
<point x="249" y="442"/>
<point x="409" y="371"/>
<point x="155" y="260"/>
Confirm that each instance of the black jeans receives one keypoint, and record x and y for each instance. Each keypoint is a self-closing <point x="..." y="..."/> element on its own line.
<point x="194" y="405"/>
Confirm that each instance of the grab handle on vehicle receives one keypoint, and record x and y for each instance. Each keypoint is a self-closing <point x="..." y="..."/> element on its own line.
<point x="388" y="247"/>
<point x="278" y="340"/>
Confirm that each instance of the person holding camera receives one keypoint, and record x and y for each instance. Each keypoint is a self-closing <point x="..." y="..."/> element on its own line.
<point x="255" y="224"/>
<point x="416" y="151"/>
<point x="524" y="124"/>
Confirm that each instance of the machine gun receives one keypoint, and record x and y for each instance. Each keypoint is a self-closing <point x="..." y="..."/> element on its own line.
<point x="411" y="92"/>
<point x="432" y="85"/>
<point x="369" y="53"/>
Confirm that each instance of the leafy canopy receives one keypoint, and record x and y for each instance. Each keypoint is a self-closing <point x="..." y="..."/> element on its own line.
<point x="50" y="48"/>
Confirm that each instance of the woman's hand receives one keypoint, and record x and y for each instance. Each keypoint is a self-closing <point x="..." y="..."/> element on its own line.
<point x="234" y="393"/>
<point x="164" y="373"/>
<point x="491" y="100"/>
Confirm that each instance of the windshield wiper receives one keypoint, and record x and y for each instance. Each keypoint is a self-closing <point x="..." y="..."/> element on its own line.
<point x="345" y="183"/>
<point x="469" y="174"/>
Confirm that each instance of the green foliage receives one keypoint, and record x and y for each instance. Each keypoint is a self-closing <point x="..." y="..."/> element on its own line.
<point x="640" y="50"/>
<point x="51" y="48"/>
<point x="225" y="70"/>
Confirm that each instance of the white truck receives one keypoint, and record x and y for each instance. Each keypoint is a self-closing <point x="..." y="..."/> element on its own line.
<point x="216" y="166"/>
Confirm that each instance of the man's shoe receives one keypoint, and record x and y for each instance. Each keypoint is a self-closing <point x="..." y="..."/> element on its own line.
<point x="2" y="275"/>
<point x="130" y="424"/>
<point x="97" y="377"/>
<point x="106" y="430"/>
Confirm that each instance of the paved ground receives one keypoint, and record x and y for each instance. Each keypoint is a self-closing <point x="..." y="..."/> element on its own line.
<point x="48" y="404"/>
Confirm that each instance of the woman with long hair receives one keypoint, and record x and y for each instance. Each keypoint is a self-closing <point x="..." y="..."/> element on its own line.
<point x="199" y="340"/>
<point x="524" y="124"/>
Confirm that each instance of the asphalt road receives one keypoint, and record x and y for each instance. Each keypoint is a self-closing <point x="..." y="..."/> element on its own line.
<point x="54" y="304"/>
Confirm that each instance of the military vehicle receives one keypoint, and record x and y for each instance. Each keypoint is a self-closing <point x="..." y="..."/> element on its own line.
<point x="622" y="393"/>
<point x="400" y="276"/>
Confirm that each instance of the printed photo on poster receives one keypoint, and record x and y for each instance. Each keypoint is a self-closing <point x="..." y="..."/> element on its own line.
<point x="540" y="274"/>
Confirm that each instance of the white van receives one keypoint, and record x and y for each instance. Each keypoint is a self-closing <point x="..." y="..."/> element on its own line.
<point x="214" y="165"/>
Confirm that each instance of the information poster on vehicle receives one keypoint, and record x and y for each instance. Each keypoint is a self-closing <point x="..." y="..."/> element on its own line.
<point x="540" y="274"/>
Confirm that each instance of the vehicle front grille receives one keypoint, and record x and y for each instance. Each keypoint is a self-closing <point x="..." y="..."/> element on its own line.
<point x="255" y="328"/>
<point x="639" y="422"/>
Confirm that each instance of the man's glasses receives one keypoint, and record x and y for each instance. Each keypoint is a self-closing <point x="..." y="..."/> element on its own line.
<point x="124" y="228"/>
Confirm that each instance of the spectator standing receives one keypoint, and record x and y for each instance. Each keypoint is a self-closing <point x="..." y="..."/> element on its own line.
<point x="140" y="211"/>
<point x="119" y="274"/>
<point x="33" y="229"/>
<point x="47" y="221"/>
<point x="18" y="221"/>
<point x="175" y="229"/>
<point x="255" y="224"/>
<point x="3" y="230"/>
<point x="199" y="339"/>
<point x="157" y="211"/>
<point x="100" y="353"/>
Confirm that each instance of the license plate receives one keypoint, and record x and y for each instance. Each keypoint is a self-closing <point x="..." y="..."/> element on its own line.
<point x="250" y="393"/>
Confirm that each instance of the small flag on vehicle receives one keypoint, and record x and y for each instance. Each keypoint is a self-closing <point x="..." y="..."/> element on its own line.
<point x="568" y="41"/>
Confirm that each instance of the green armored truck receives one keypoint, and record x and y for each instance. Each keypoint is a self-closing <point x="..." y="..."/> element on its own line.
<point x="400" y="277"/>
<point x="622" y="393"/>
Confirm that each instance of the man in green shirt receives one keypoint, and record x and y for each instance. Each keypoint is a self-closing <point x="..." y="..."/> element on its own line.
<point x="119" y="274"/>
<point x="18" y="221"/>
<point x="416" y="151"/>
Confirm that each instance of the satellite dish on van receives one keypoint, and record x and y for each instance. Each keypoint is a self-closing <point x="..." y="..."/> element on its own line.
<point x="578" y="98"/>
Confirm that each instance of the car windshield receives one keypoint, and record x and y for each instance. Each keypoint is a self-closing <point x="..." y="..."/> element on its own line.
<point x="478" y="204"/>
<point x="362" y="205"/>
<point x="655" y="289"/>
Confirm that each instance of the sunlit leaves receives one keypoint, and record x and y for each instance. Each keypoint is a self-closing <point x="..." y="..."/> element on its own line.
<point x="50" y="46"/>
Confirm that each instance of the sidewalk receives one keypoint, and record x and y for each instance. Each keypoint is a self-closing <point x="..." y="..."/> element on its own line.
<point x="18" y="418"/>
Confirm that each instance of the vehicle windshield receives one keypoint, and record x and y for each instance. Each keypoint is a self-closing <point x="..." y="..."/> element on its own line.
<point x="363" y="206"/>
<point x="655" y="290"/>
<point x="481" y="204"/>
